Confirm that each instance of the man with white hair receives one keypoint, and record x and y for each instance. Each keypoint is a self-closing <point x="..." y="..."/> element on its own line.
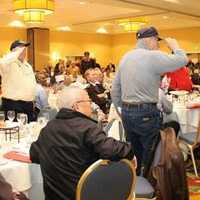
<point x="135" y="90"/>
<point x="70" y="143"/>
<point x="96" y="91"/>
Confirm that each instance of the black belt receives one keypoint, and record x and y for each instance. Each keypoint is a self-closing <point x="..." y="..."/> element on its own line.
<point x="18" y="101"/>
<point x="138" y="104"/>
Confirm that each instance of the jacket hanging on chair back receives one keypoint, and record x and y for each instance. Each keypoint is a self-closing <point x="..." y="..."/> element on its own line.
<point x="170" y="174"/>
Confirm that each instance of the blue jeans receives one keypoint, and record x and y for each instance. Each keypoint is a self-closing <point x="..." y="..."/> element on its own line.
<point x="142" y="124"/>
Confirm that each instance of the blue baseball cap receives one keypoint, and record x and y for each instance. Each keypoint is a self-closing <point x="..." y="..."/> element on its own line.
<point x="147" y="32"/>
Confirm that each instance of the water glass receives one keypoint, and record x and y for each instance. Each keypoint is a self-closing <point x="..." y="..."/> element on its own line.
<point x="22" y="118"/>
<point x="18" y="117"/>
<point x="11" y="115"/>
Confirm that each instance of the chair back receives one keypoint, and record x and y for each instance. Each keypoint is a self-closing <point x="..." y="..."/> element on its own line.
<point x="106" y="180"/>
<point x="171" y="164"/>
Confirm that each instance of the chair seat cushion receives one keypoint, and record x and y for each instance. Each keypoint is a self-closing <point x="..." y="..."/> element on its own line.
<point x="188" y="137"/>
<point x="143" y="188"/>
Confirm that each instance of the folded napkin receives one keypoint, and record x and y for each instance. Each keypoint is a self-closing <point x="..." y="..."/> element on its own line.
<point x="17" y="155"/>
<point x="193" y="105"/>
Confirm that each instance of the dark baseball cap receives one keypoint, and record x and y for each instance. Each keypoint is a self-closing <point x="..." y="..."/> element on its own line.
<point x="19" y="43"/>
<point x="147" y="32"/>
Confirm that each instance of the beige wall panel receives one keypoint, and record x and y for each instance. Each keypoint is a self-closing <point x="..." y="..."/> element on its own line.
<point x="74" y="44"/>
<point x="41" y="47"/>
<point x="189" y="39"/>
<point x="7" y="36"/>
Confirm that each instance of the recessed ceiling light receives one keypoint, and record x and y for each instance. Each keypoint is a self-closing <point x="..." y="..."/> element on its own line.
<point x="165" y="17"/>
<point x="55" y="56"/>
<point x="82" y="2"/>
<point x="64" y="28"/>
<point x="102" y="30"/>
<point x="16" y="23"/>
<point x="173" y="1"/>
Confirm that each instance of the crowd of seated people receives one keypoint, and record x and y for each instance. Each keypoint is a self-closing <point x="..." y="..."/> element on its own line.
<point x="195" y="74"/>
<point x="69" y="73"/>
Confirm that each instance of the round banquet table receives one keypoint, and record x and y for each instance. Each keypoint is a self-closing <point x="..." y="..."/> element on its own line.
<point x="24" y="177"/>
<point x="187" y="116"/>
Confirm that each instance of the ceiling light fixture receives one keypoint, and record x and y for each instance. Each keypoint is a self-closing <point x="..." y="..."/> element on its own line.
<point x="34" y="11"/>
<point x="102" y="30"/>
<point x="82" y="2"/>
<point x="132" y="25"/>
<point x="165" y="17"/>
<point x="17" y="23"/>
<point x="173" y="1"/>
<point x="64" y="28"/>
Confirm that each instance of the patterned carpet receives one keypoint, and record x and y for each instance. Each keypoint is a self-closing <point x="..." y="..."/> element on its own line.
<point x="194" y="186"/>
<point x="193" y="181"/>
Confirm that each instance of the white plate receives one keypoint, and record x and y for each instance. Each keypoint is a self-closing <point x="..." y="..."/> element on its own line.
<point x="179" y="93"/>
<point x="3" y="161"/>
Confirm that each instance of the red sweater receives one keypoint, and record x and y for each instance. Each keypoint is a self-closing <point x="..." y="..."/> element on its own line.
<point x="180" y="79"/>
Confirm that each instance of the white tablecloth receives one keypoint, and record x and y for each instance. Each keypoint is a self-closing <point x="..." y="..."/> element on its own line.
<point x="22" y="176"/>
<point x="187" y="116"/>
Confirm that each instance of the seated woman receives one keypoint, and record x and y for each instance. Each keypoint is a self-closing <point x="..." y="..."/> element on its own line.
<point x="166" y="107"/>
<point x="180" y="79"/>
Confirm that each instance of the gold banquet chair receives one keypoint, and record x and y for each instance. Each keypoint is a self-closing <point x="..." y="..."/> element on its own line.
<point x="107" y="180"/>
<point x="190" y="137"/>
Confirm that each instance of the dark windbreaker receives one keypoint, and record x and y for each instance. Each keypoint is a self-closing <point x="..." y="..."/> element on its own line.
<point x="67" y="146"/>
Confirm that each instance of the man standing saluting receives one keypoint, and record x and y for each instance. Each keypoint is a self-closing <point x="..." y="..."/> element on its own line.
<point x="135" y="90"/>
<point x="18" y="81"/>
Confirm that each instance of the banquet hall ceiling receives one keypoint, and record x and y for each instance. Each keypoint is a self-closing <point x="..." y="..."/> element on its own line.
<point x="88" y="15"/>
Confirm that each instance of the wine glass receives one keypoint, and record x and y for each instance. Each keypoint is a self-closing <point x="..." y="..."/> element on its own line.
<point x="11" y="115"/>
<point x="23" y="119"/>
<point x="18" y="117"/>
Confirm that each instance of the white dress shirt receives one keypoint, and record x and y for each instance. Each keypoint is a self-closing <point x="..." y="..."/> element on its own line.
<point x="18" y="79"/>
